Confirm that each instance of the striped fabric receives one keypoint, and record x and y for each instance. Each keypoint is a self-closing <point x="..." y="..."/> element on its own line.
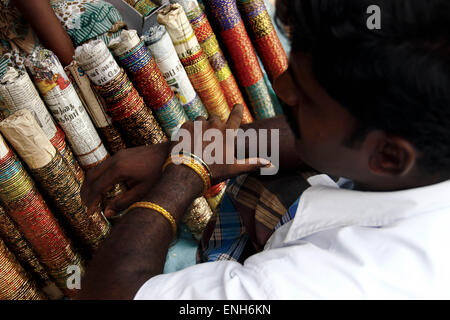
<point x="229" y="237"/>
<point x="290" y="214"/>
<point x="251" y="210"/>
<point x="88" y="19"/>
<point x="3" y="65"/>
<point x="273" y="201"/>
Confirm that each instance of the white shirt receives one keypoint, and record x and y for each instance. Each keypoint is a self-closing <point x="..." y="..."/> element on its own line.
<point x="342" y="244"/>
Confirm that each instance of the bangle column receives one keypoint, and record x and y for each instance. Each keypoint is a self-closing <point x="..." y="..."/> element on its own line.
<point x="161" y="47"/>
<point x="135" y="57"/>
<point x="210" y="46"/>
<point x="16" y="283"/>
<point x="18" y="93"/>
<point x="124" y="104"/>
<point x="245" y="62"/>
<point x="194" y="60"/>
<point x="264" y="36"/>
<point x="96" y="108"/>
<point x="19" y="246"/>
<point x="54" y="177"/>
<point x="31" y="214"/>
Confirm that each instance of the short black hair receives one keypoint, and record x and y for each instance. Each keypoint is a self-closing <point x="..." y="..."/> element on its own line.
<point x="396" y="79"/>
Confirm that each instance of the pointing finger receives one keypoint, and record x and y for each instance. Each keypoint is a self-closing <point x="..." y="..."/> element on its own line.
<point x="235" y="119"/>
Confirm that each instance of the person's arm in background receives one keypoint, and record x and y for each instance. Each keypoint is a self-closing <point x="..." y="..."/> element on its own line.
<point x="47" y="27"/>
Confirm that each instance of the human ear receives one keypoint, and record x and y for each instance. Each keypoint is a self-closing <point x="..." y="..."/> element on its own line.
<point x="392" y="156"/>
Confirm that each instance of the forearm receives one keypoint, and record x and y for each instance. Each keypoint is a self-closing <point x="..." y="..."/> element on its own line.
<point x="47" y="27"/>
<point x="137" y="247"/>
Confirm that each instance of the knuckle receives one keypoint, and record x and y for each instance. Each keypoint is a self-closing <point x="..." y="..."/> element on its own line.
<point x="200" y="118"/>
<point x="187" y="125"/>
<point x="215" y="120"/>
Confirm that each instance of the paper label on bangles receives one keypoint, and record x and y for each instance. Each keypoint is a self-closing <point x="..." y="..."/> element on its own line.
<point x="187" y="47"/>
<point x="41" y="114"/>
<point x="3" y="148"/>
<point x="190" y="51"/>
<point x="173" y="71"/>
<point x="28" y="140"/>
<point x="188" y="5"/>
<point x="179" y="29"/>
<point x="71" y="115"/>
<point x="104" y="72"/>
<point x="127" y="40"/>
<point x="92" y="102"/>
<point x="177" y="79"/>
<point x="21" y="94"/>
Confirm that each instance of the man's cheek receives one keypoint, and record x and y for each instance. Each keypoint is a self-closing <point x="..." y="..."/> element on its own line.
<point x="308" y="152"/>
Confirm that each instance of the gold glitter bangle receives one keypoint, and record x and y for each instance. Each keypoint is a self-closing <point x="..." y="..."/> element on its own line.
<point x="159" y="209"/>
<point x="223" y="73"/>
<point x="202" y="171"/>
<point x="262" y="24"/>
<point x="210" y="46"/>
<point x="199" y="160"/>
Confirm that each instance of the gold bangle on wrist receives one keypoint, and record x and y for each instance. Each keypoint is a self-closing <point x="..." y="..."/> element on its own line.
<point x="199" y="160"/>
<point x="202" y="171"/>
<point x="159" y="209"/>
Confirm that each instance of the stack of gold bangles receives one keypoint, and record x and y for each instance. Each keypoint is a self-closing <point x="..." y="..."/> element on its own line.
<point x="195" y="163"/>
<point x="190" y="160"/>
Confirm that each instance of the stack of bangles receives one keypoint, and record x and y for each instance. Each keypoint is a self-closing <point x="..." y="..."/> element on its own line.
<point x="190" y="160"/>
<point x="195" y="163"/>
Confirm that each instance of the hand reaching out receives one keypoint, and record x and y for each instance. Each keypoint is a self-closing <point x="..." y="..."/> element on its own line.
<point x="139" y="168"/>
<point x="197" y="141"/>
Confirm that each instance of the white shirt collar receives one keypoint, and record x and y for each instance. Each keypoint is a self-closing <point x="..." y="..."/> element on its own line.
<point x="325" y="206"/>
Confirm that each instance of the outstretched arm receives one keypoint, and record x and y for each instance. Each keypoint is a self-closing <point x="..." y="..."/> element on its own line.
<point x="140" y="167"/>
<point x="137" y="247"/>
<point x="47" y="27"/>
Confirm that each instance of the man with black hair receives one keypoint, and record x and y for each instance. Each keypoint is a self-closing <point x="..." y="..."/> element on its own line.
<point x="370" y="105"/>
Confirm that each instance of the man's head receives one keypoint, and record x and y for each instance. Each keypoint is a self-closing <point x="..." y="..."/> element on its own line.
<point x="370" y="105"/>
